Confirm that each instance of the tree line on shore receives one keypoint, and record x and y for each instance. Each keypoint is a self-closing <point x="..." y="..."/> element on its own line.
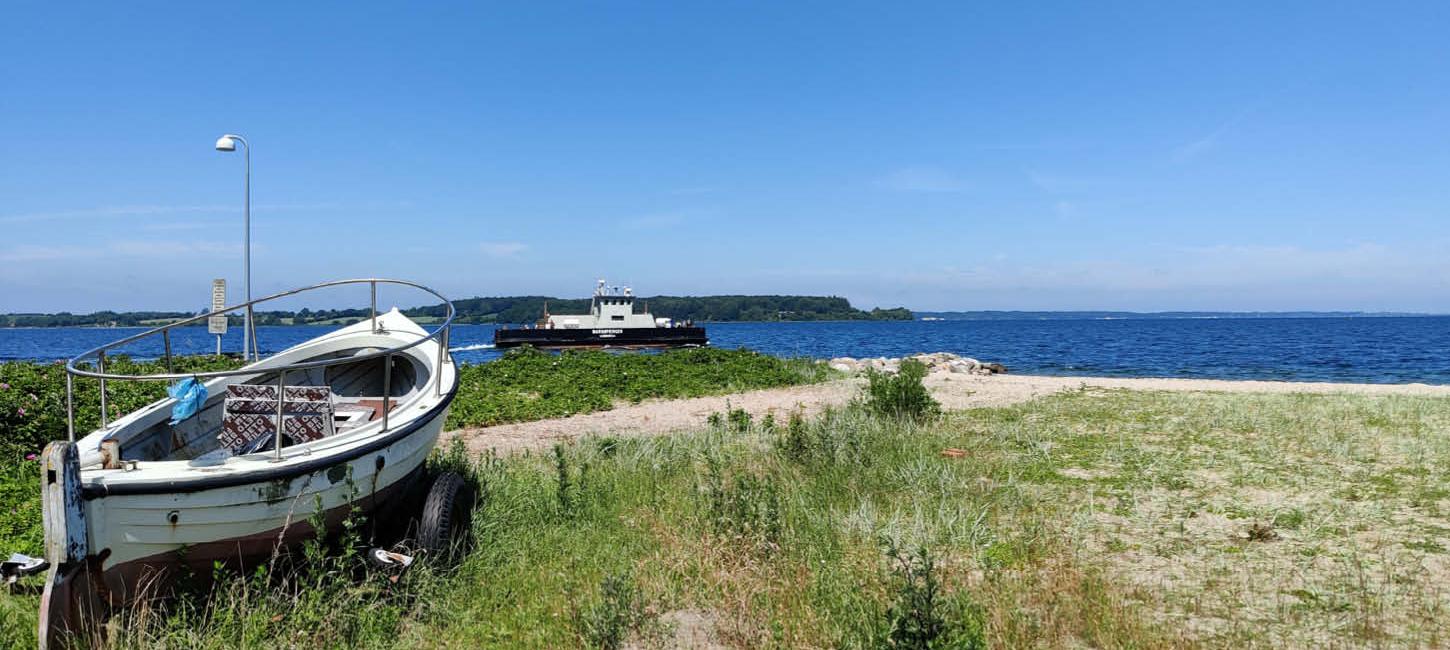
<point x="515" y="309"/>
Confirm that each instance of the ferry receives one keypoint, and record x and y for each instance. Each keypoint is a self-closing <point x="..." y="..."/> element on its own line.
<point x="610" y="323"/>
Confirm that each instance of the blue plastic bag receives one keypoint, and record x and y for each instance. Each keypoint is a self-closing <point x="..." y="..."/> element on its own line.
<point x="190" y="395"/>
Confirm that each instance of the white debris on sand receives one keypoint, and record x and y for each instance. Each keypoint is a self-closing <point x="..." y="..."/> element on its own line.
<point x="934" y="362"/>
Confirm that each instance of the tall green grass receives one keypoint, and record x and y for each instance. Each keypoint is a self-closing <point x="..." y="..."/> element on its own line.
<point x="854" y="530"/>
<point x="869" y="538"/>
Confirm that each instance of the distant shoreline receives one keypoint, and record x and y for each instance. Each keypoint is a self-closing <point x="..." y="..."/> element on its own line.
<point x="983" y="316"/>
<point x="990" y="315"/>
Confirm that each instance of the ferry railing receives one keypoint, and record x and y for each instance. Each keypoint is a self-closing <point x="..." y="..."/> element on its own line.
<point x="439" y="334"/>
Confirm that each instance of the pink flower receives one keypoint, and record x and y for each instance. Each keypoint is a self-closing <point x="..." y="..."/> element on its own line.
<point x="21" y="411"/>
<point x="4" y="386"/>
<point x="31" y="457"/>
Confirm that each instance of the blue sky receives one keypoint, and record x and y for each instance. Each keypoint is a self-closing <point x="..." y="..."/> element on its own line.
<point x="1237" y="156"/>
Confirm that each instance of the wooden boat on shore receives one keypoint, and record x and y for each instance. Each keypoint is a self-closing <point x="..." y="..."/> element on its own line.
<point x="345" y="420"/>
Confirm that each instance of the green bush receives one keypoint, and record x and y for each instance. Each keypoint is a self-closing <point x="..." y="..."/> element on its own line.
<point x="32" y="413"/>
<point x="901" y="395"/>
<point x="32" y="397"/>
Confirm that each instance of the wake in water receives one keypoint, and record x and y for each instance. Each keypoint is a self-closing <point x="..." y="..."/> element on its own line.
<point x="476" y="346"/>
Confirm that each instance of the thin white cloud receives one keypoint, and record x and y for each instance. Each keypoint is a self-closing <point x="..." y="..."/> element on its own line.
<point x="688" y="191"/>
<point x="1191" y="150"/>
<point x="502" y="248"/>
<point x="159" y="210"/>
<point x="1350" y="277"/>
<point x="1055" y="183"/>
<point x="183" y="225"/>
<point x="125" y="248"/>
<point x="144" y="248"/>
<point x="40" y="253"/>
<point x="653" y="221"/>
<point x="921" y="179"/>
<point x="113" y="211"/>
<point x="1193" y="268"/>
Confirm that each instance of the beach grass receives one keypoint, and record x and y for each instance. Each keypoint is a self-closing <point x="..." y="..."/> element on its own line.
<point x="1094" y="518"/>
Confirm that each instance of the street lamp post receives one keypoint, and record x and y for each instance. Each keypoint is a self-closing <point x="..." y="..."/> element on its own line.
<point x="229" y="142"/>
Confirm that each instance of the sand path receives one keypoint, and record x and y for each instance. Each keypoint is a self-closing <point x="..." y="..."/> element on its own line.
<point x="955" y="391"/>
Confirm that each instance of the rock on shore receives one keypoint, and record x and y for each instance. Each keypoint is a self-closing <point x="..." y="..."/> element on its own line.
<point x="934" y="362"/>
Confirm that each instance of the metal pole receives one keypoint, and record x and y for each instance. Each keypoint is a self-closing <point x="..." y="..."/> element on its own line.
<point x="218" y="345"/>
<point x="70" y="411"/>
<point x="387" y="388"/>
<point x="247" y="335"/>
<point x="256" y="348"/>
<point x="438" y="376"/>
<point x="373" y="309"/>
<point x="250" y="334"/>
<point x="166" y="336"/>
<point x="101" y="358"/>
<point x="281" y="388"/>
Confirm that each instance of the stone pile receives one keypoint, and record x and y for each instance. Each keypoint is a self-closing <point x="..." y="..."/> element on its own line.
<point x="934" y="362"/>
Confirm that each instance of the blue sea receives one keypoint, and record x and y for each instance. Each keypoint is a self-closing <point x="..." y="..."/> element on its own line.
<point x="1377" y="350"/>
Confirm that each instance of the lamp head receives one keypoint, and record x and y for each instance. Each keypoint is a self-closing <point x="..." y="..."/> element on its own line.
<point x="226" y="143"/>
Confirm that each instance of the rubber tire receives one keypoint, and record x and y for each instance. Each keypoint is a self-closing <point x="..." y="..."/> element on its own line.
<point x="447" y="515"/>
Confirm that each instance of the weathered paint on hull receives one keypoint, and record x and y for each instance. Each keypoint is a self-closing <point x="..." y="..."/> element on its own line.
<point x="137" y="542"/>
<point x="79" y="602"/>
<point x="243" y="552"/>
<point x="146" y="525"/>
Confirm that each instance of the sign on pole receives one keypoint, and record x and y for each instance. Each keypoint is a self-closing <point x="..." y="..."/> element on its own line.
<point x="218" y="324"/>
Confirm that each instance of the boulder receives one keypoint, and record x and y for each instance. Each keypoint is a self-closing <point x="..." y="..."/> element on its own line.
<point x="944" y="362"/>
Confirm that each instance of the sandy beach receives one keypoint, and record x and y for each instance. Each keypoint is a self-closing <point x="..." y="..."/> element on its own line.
<point x="954" y="391"/>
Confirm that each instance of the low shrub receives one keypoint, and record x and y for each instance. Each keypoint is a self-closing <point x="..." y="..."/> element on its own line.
<point x="742" y="504"/>
<point x="620" y="610"/>
<point x="901" y="395"/>
<point x="922" y="616"/>
<point x="837" y="436"/>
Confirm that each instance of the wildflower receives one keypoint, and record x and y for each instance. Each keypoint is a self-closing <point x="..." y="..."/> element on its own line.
<point x="31" y="456"/>
<point x="21" y="411"/>
<point x="4" y="386"/>
<point x="33" y="398"/>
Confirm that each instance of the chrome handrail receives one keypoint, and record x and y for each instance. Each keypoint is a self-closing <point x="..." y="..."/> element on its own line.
<point x="439" y="333"/>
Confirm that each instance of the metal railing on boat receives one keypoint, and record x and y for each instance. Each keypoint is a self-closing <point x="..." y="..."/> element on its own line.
<point x="439" y="334"/>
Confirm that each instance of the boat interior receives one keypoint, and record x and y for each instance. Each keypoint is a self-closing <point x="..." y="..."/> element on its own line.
<point x="239" y="414"/>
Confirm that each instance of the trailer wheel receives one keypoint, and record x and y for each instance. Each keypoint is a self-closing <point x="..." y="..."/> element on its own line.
<point x="447" y="515"/>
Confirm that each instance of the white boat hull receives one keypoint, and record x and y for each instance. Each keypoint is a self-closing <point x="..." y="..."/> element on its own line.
<point x="113" y="534"/>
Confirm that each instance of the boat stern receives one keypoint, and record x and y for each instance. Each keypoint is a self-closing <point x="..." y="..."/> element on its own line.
<point x="70" y="597"/>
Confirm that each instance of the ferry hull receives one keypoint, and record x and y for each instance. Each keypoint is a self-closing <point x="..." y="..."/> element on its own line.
<point x="636" y="337"/>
